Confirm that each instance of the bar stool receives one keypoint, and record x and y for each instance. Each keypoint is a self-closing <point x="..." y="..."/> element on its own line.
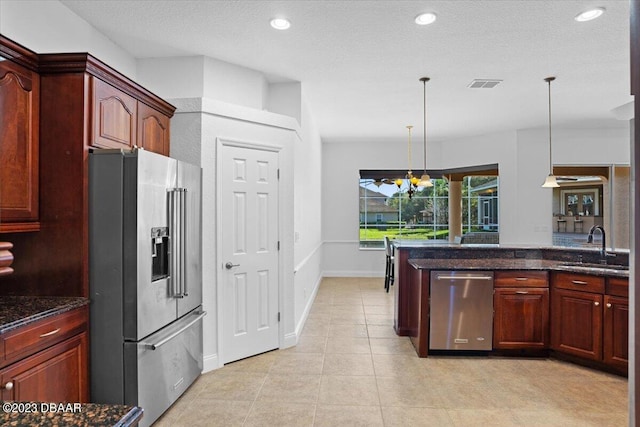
<point x="389" y="267"/>
<point x="577" y="226"/>
<point x="562" y="223"/>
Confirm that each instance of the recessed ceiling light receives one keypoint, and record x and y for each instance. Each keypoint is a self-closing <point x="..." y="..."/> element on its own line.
<point x="280" y="23"/>
<point x="425" y="18"/>
<point x="590" y="14"/>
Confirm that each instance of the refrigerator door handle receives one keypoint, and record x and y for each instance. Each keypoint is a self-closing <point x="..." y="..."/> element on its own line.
<point x="183" y="241"/>
<point x="174" y="272"/>
<point x="155" y="346"/>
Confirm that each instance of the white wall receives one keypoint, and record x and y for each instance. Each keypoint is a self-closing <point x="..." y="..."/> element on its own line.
<point x="522" y="157"/>
<point x="46" y="26"/>
<point x="308" y="184"/>
<point x="196" y="128"/>
<point x="212" y="109"/>
<point x="341" y="163"/>
<point x="216" y="99"/>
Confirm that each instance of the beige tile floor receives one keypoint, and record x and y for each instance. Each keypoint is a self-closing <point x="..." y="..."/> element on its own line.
<point x="350" y="369"/>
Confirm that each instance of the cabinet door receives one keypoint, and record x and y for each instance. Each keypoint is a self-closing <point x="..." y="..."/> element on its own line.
<point x="19" y="136"/>
<point x="57" y="374"/>
<point x="153" y="130"/>
<point x="577" y="323"/>
<point x="616" y="331"/>
<point x="521" y="318"/>
<point x="114" y="117"/>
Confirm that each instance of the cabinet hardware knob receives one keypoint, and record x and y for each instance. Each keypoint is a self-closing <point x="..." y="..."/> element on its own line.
<point x="596" y="303"/>
<point x="608" y="305"/>
<point x="8" y="386"/>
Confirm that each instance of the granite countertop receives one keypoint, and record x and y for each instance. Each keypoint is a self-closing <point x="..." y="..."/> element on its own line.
<point x="513" y="264"/>
<point x="407" y="244"/>
<point x="68" y="415"/>
<point x="16" y="311"/>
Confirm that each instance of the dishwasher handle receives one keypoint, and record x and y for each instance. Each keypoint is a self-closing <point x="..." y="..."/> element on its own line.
<point x="454" y="277"/>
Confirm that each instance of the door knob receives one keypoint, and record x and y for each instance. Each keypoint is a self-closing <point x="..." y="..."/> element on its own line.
<point x="230" y="265"/>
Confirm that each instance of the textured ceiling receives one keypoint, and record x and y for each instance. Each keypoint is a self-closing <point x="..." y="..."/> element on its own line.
<point x="360" y="61"/>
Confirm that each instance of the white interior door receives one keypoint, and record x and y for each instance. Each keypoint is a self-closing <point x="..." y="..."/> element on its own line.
<point x="249" y="254"/>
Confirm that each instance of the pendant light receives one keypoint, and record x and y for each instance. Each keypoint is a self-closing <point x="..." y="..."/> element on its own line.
<point x="425" y="179"/>
<point x="551" y="181"/>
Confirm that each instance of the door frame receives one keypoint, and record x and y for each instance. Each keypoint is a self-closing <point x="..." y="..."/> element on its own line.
<point x="222" y="142"/>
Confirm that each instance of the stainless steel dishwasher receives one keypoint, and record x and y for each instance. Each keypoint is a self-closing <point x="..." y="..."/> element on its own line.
<point x="461" y="310"/>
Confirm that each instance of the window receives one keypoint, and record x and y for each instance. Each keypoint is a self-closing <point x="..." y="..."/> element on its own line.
<point x="387" y="210"/>
<point x="582" y="202"/>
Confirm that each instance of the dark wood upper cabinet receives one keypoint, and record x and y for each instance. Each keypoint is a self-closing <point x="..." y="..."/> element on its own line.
<point x="19" y="134"/>
<point x="83" y="104"/>
<point x="114" y="117"/>
<point x="153" y="130"/>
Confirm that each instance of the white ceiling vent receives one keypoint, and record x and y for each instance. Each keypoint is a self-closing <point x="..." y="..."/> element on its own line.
<point x="484" y="83"/>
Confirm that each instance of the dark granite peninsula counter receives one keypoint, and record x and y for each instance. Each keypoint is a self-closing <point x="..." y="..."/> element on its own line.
<point x="69" y="415"/>
<point x="555" y="280"/>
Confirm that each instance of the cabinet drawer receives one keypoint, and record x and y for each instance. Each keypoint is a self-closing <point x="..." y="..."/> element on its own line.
<point x="38" y="335"/>
<point x="618" y="287"/>
<point x="579" y="282"/>
<point x="521" y="278"/>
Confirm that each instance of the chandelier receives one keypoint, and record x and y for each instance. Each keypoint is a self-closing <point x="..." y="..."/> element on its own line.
<point x="411" y="180"/>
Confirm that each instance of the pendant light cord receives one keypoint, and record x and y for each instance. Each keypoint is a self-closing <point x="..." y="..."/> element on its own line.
<point x="409" y="149"/>
<point x="424" y="81"/>
<point x="549" y="80"/>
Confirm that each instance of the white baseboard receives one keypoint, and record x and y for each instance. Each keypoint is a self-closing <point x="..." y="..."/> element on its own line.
<point x="210" y="363"/>
<point x="305" y="313"/>
<point x="352" y="273"/>
<point x="290" y="340"/>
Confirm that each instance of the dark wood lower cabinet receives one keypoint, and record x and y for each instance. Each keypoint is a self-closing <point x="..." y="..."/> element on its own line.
<point x="616" y="332"/>
<point x="57" y="374"/>
<point x="521" y="318"/>
<point x="577" y="323"/>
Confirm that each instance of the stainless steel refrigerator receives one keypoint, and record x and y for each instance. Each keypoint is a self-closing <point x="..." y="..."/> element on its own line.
<point x="145" y="279"/>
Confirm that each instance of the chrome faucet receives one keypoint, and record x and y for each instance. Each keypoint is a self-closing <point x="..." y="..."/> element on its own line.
<point x="603" y="251"/>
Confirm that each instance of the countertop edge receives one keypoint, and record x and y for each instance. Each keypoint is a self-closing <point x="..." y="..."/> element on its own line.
<point x="73" y="303"/>
<point x="485" y="264"/>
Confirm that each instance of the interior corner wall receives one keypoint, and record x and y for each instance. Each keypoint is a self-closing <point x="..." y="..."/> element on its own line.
<point x="286" y="99"/>
<point x="307" y="189"/>
<point x="181" y="77"/>
<point x="501" y="148"/>
<point x="341" y="163"/>
<point x="48" y="26"/>
<point x="234" y="84"/>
